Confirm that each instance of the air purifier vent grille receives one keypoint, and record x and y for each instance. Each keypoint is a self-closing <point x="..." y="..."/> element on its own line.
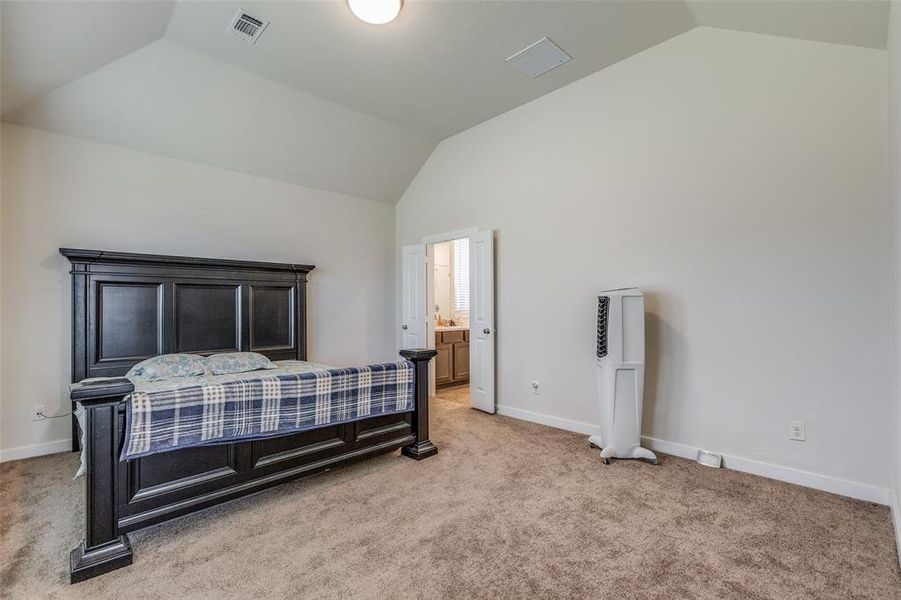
<point x="603" y="310"/>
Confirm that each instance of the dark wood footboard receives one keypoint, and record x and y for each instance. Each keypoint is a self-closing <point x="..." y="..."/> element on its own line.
<point x="121" y="497"/>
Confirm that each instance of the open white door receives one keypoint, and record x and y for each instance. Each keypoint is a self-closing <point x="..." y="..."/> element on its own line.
<point x="413" y="290"/>
<point x="481" y="320"/>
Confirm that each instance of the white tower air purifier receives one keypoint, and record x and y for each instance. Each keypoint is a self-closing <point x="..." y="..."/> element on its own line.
<point x="620" y="368"/>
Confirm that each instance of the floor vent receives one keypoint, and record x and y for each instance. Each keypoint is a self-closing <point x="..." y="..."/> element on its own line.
<point x="539" y="58"/>
<point x="710" y="459"/>
<point x="246" y="27"/>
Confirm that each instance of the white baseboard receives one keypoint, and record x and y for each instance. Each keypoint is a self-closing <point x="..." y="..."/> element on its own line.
<point x="534" y="417"/>
<point x="896" y="521"/>
<point x="35" y="450"/>
<point x="826" y="483"/>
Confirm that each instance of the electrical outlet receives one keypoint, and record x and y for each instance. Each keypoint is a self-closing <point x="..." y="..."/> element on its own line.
<point x="536" y="387"/>
<point x="38" y="412"/>
<point x="797" y="431"/>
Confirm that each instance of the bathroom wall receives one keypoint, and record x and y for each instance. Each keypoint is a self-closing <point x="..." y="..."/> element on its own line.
<point x="443" y="275"/>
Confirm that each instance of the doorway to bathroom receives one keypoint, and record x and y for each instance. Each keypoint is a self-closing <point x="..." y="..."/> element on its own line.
<point x="448" y="306"/>
<point x="450" y="316"/>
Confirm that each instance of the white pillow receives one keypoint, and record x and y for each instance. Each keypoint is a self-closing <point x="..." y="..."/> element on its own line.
<point x="168" y="366"/>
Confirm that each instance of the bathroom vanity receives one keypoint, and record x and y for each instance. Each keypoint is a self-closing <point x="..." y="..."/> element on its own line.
<point x="452" y="362"/>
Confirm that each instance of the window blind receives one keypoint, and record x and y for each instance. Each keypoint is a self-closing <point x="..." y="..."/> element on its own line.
<point x="461" y="276"/>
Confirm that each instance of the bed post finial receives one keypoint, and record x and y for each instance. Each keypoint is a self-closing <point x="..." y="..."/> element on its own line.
<point x="423" y="446"/>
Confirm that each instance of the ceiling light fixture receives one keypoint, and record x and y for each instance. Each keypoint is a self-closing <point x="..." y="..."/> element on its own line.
<point x="377" y="12"/>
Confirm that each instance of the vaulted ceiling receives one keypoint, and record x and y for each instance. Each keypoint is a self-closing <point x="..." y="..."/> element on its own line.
<point x="325" y="100"/>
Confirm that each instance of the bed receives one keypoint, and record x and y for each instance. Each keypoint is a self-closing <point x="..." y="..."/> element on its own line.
<point x="127" y="308"/>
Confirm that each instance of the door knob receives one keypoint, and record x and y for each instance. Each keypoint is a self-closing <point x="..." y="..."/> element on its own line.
<point x="404" y="326"/>
<point x="486" y="331"/>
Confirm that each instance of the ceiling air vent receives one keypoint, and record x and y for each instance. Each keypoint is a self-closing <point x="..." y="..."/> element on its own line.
<point x="245" y="27"/>
<point x="539" y="58"/>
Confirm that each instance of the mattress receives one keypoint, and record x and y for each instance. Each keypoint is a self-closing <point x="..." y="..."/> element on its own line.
<point x="284" y="367"/>
<point x="296" y="396"/>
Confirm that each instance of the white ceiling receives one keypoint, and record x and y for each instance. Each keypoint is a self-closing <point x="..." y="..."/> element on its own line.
<point x="851" y="22"/>
<point x="47" y="44"/>
<point x="172" y="101"/>
<point x="328" y="101"/>
<point x="440" y="67"/>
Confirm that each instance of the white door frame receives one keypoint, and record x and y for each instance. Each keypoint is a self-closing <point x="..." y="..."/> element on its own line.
<point x="429" y="241"/>
<point x="451" y="235"/>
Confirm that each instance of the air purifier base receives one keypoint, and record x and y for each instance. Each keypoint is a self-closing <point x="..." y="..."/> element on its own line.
<point x="636" y="452"/>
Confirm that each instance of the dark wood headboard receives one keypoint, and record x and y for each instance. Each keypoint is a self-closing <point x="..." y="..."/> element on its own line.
<point x="129" y="307"/>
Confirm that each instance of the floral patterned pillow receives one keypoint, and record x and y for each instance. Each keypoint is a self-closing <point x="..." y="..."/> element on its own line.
<point x="238" y="362"/>
<point x="167" y="366"/>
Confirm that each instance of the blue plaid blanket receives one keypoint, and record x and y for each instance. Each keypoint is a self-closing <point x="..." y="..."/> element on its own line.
<point x="263" y="406"/>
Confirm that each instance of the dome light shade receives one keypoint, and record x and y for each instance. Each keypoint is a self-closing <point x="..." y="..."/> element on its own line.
<point x="377" y="12"/>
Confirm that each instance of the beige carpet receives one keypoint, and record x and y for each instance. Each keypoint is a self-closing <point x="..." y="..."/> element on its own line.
<point x="507" y="509"/>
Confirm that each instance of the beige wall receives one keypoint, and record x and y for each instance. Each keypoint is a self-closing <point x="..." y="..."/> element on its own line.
<point x="62" y="191"/>
<point x="894" y="79"/>
<point x="740" y="180"/>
